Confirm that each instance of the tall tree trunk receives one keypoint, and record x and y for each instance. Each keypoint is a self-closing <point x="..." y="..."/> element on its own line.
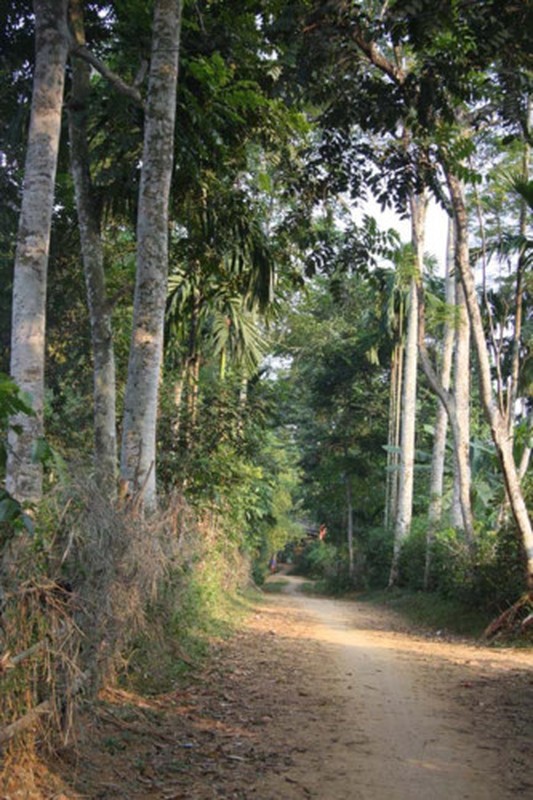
<point x="24" y="475"/>
<point x="192" y="369"/>
<point x="457" y="407"/>
<point x="391" y="500"/>
<point x="407" y="444"/>
<point x="441" y="421"/>
<point x="526" y="452"/>
<point x="193" y="395"/>
<point x="138" y="452"/>
<point x="349" y="508"/>
<point x="178" y="388"/>
<point x="461" y="460"/>
<point x="390" y="439"/>
<point x="398" y="421"/>
<point x="519" y="292"/>
<point x="462" y="473"/>
<point x="105" y="440"/>
<point x="242" y="405"/>
<point x="493" y="414"/>
<point x="512" y="389"/>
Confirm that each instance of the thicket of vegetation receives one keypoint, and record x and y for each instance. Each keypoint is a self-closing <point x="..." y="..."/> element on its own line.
<point x="214" y="348"/>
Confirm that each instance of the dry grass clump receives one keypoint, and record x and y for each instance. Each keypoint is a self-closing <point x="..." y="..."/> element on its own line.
<point x="117" y="562"/>
<point x="195" y="602"/>
<point x="74" y="595"/>
<point x="99" y="591"/>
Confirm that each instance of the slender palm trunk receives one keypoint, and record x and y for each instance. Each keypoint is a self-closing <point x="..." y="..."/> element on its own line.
<point x="390" y="438"/>
<point x="457" y="409"/>
<point x="493" y="413"/>
<point x="456" y="512"/>
<point x="193" y="396"/>
<point x="441" y="421"/>
<point x="24" y="475"/>
<point x="391" y="499"/>
<point x="105" y="440"/>
<point x="243" y="405"/>
<point x="407" y="446"/>
<point x="519" y="295"/>
<point x="513" y="380"/>
<point x="193" y="369"/>
<point x="526" y="452"/>
<point x="512" y="394"/>
<point x="179" y="385"/>
<point x="349" y="509"/>
<point x="463" y="516"/>
<point x="408" y="420"/>
<point x="398" y="422"/>
<point x="138" y="453"/>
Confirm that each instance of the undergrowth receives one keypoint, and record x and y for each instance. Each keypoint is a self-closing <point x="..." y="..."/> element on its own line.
<point x="100" y="596"/>
<point x="201" y="602"/>
<point x="275" y="587"/>
<point x="432" y="611"/>
<point x="465" y="591"/>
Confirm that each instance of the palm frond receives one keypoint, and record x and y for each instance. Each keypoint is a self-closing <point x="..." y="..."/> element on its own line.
<point x="235" y="330"/>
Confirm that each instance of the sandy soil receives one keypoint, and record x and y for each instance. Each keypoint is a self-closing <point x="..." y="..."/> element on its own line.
<point x="316" y="698"/>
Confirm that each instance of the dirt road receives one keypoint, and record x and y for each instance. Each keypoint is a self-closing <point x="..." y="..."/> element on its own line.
<point x="403" y="729"/>
<point x="314" y="699"/>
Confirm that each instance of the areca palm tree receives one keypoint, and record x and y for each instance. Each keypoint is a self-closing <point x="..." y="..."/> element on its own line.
<point x="516" y="370"/>
<point x="224" y="284"/>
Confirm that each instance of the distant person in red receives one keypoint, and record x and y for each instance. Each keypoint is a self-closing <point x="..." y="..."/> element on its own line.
<point x="322" y="532"/>
<point x="273" y="564"/>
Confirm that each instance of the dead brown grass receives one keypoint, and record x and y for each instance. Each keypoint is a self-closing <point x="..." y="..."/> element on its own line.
<point x="74" y="595"/>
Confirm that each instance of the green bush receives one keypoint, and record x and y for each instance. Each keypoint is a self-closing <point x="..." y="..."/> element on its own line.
<point x="491" y="579"/>
<point x="413" y="557"/>
<point x="499" y="569"/>
<point x="327" y="565"/>
<point x="318" y="560"/>
<point x="198" y="600"/>
<point x="451" y="567"/>
<point x="377" y="555"/>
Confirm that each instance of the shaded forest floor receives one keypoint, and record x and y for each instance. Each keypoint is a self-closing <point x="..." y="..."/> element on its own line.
<point x="299" y="704"/>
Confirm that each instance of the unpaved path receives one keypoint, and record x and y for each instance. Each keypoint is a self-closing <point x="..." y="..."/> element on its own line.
<point x="313" y="699"/>
<point x="403" y="729"/>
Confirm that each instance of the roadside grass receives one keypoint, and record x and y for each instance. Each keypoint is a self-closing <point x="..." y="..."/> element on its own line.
<point x="432" y="611"/>
<point x="179" y="644"/>
<point x="275" y="587"/>
<point x="317" y="587"/>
